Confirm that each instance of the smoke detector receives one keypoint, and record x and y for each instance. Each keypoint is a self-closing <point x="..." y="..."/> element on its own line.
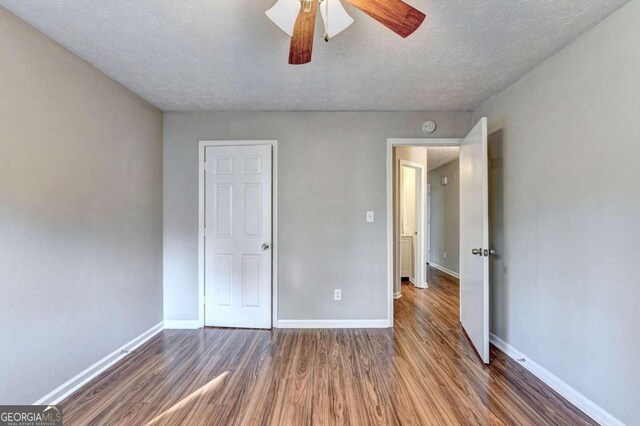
<point x="429" y="126"/>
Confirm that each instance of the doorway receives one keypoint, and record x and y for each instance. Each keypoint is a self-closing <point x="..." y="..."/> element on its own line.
<point x="238" y="234"/>
<point x="474" y="248"/>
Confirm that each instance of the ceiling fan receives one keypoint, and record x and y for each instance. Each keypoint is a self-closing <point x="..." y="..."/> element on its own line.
<point x="298" y="17"/>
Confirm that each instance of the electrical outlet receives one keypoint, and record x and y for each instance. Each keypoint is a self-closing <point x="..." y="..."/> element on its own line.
<point x="445" y="255"/>
<point x="337" y="294"/>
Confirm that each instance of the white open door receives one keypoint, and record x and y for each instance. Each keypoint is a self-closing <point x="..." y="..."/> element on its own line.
<point x="237" y="256"/>
<point x="474" y="238"/>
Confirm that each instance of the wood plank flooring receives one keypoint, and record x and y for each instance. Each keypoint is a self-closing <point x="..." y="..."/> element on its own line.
<point x="423" y="372"/>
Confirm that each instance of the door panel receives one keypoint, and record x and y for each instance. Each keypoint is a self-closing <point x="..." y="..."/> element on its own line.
<point x="237" y="225"/>
<point x="223" y="280"/>
<point x="251" y="280"/>
<point x="223" y="219"/>
<point x="474" y="236"/>
<point x="406" y="254"/>
<point x="252" y="209"/>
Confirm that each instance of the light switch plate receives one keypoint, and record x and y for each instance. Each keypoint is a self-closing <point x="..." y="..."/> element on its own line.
<point x="337" y="294"/>
<point x="370" y="217"/>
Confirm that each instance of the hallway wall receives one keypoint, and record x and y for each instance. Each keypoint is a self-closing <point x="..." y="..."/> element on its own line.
<point x="445" y="216"/>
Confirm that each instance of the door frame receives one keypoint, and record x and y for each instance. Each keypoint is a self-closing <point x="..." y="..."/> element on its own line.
<point x="427" y="226"/>
<point x="202" y="145"/>
<point x="419" y="269"/>
<point x="392" y="143"/>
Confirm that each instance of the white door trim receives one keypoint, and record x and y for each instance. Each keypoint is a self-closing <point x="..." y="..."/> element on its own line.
<point x="391" y="143"/>
<point x="427" y="234"/>
<point x="419" y="264"/>
<point x="202" y="145"/>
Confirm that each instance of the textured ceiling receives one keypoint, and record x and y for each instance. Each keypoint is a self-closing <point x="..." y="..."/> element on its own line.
<point x="227" y="55"/>
<point x="439" y="156"/>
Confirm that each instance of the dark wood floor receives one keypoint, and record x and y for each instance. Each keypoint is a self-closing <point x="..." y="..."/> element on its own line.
<point x="423" y="372"/>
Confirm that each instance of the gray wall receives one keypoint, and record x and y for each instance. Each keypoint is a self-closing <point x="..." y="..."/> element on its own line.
<point x="567" y="158"/>
<point x="80" y="214"/>
<point x="332" y="169"/>
<point x="445" y="216"/>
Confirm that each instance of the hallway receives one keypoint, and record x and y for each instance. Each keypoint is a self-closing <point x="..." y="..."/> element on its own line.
<point x="424" y="371"/>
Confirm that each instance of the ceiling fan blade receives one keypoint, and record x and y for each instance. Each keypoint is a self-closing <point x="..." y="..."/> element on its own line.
<point x="302" y="40"/>
<point x="394" y="14"/>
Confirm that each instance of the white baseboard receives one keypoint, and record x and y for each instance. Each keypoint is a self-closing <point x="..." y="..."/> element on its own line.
<point x="412" y="281"/>
<point x="381" y="323"/>
<point x="581" y="402"/>
<point x="397" y="295"/>
<point x="445" y="270"/>
<point x="182" y="324"/>
<point x="75" y="383"/>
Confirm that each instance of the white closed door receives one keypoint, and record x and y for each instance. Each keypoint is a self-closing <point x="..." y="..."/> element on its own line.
<point x="474" y="238"/>
<point x="238" y="251"/>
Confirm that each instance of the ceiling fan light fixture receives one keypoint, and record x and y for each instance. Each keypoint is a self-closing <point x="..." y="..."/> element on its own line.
<point x="335" y="17"/>
<point x="297" y="18"/>
<point x="284" y="14"/>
